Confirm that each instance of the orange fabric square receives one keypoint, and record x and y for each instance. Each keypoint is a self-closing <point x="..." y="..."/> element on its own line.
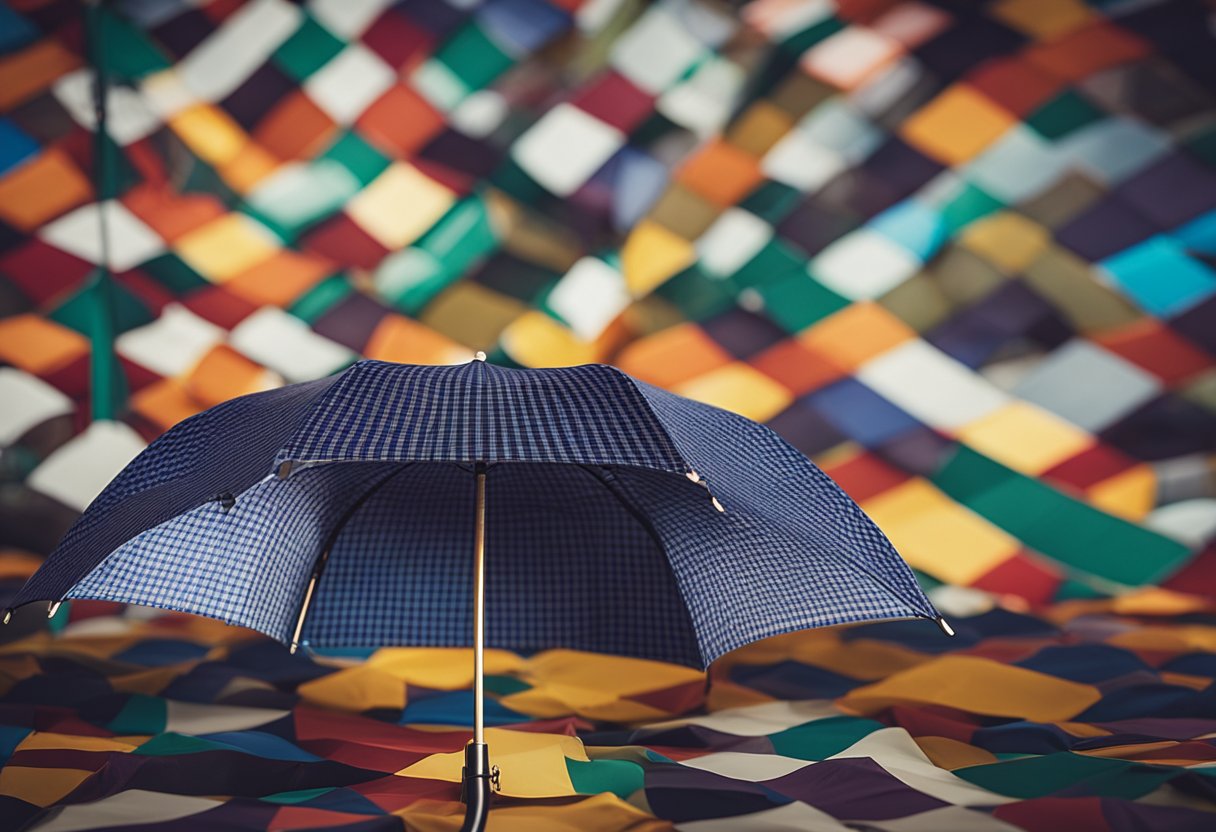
<point x="295" y="129"/>
<point x="170" y="214"/>
<point x="721" y="172"/>
<point x="957" y="125"/>
<point x="1158" y="349"/>
<point x="1086" y="51"/>
<point x="400" y="121"/>
<point x="41" y="189"/>
<point x="223" y="374"/>
<point x="864" y="475"/>
<point x="280" y="279"/>
<point x="856" y="334"/>
<point x="799" y="369"/>
<point x="251" y="164"/>
<point x="30" y="71"/>
<point x="1016" y="85"/>
<point x="39" y="346"/>
<point x="164" y="403"/>
<point x="673" y="356"/>
<point x="406" y="341"/>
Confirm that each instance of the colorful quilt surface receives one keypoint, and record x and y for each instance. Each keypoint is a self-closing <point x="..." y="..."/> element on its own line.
<point x="961" y="254"/>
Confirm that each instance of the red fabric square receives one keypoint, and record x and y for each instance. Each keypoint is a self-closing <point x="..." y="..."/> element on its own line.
<point x="801" y="370"/>
<point x="400" y="122"/>
<point x="1150" y="344"/>
<point x="1025" y="576"/>
<point x="218" y="305"/>
<point x="43" y="272"/>
<point x="1014" y="84"/>
<point x="341" y="240"/>
<point x="397" y="40"/>
<point x="865" y="476"/>
<point x="1091" y="466"/>
<point x="613" y="99"/>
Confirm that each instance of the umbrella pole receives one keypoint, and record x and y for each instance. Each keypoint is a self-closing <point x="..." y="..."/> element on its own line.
<point x="480" y="779"/>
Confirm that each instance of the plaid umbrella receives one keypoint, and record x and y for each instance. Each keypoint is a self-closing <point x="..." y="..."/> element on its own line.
<point x="621" y="518"/>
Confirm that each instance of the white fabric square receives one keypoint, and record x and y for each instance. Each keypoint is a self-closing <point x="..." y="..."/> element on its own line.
<point x="79" y="232"/>
<point x="480" y="114"/>
<point x="846" y="58"/>
<point x="864" y="264"/>
<point x="1018" y="167"/>
<point x="801" y="163"/>
<point x="1114" y="149"/>
<point x="1087" y="385"/>
<point x="249" y="36"/>
<point x="564" y="148"/>
<point x="79" y="469"/>
<point x="347" y="18"/>
<point x="589" y="297"/>
<point x="885" y="88"/>
<point x="735" y="237"/>
<point x="704" y="102"/>
<point x="349" y="83"/>
<point x="172" y="344"/>
<point x="28" y="402"/>
<point x="438" y="85"/>
<point x="165" y="94"/>
<point x="781" y="20"/>
<point x="839" y="127"/>
<point x="655" y="51"/>
<point x="930" y="385"/>
<point x="128" y="117"/>
<point x="285" y="344"/>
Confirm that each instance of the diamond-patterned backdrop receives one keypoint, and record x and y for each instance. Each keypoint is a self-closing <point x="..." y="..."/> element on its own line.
<point x="961" y="254"/>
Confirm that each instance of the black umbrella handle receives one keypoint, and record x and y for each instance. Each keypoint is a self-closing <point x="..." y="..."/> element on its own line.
<point x="480" y="781"/>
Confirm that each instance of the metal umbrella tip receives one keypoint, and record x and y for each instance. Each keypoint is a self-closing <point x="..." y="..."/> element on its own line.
<point x="52" y="609"/>
<point x="479" y="356"/>
<point x="945" y="626"/>
<point x="8" y="616"/>
<point x="694" y="476"/>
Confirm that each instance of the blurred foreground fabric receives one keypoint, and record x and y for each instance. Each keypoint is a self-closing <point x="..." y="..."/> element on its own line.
<point x="961" y="254"/>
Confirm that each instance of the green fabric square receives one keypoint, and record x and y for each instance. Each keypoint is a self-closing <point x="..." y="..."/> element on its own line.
<point x="173" y="273"/>
<point x="771" y="264"/>
<point x="127" y="311"/>
<point x="357" y="156"/>
<point x="473" y="58"/>
<point x="968" y="205"/>
<point x="799" y="300"/>
<point x="1063" y="114"/>
<point x="821" y="738"/>
<point x="697" y="295"/>
<point x="772" y="201"/>
<point x="140" y="715"/>
<point x="621" y="777"/>
<point x="321" y="298"/>
<point x="128" y="54"/>
<point x="306" y="51"/>
<point x="1072" y="532"/>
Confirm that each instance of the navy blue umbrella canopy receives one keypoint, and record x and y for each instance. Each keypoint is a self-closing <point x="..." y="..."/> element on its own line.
<point x="618" y="518"/>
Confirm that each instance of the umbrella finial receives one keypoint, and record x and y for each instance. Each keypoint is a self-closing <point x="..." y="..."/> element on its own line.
<point x="479" y="356"/>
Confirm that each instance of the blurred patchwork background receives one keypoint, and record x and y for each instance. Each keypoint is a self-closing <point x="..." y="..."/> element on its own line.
<point x="961" y="254"/>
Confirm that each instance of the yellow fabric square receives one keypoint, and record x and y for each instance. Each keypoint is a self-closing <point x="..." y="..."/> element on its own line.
<point x="741" y="388"/>
<point x="651" y="255"/>
<point x="954" y="127"/>
<point x="938" y="536"/>
<point x="37" y="345"/>
<point x="1009" y="241"/>
<point x="40" y="786"/>
<point x="248" y="167"/>
<point x="979" y="686"/>
<point x="400" y="205"/>
<point x="1130" y="494"/>
<point x="227" y="246"/>
<point x="535" y="339"/>
<point x="759" y="128"/>
<point x="1026" y="438"/>
<point x="1043" y="19"/>
<point x="210" y="133"/>
<point x="855" y="334"/>
<point x="539" y="761"/>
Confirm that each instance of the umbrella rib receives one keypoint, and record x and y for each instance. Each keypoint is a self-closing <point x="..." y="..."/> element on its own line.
<point x="323" y="558"/>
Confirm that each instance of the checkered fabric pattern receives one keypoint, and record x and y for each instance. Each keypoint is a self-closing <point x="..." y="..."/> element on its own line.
<point x="961" y="256"/>
<point x="591" y="546"/>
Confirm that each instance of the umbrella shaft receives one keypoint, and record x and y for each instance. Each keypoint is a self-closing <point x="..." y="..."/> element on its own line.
<point x="479" y="607"/>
